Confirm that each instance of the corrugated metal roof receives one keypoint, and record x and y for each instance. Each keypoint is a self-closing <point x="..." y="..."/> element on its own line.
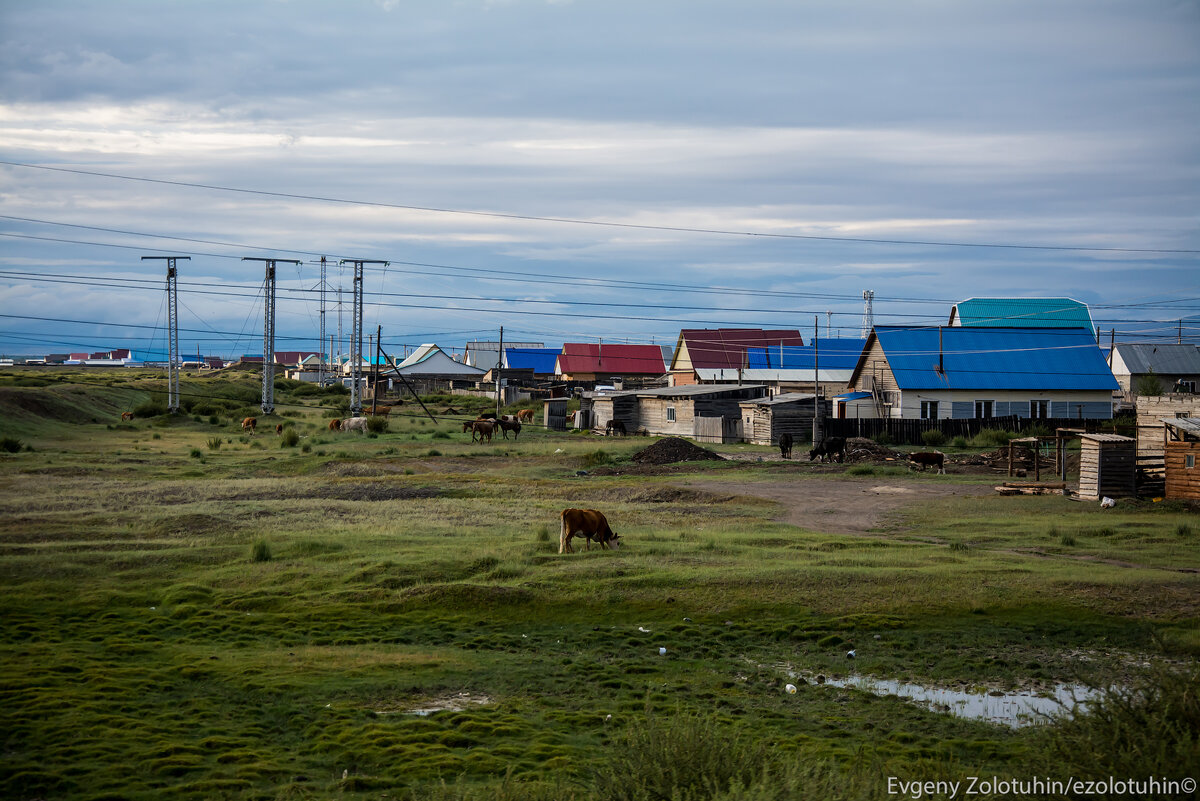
<point x="1023" y="312"/>
<point x="540" y="360"/>
<point x="694" y="390"/>
<point x="726" y="347"/>
<point x="833" y="354"/>
<point x="1188" y="424"/>
<point x="995" y="358"/>
<point x="849" y="396"/>
<point x="782" y="398"/>
<point x="1167" y="359"/>
<point x="580" y="357"/>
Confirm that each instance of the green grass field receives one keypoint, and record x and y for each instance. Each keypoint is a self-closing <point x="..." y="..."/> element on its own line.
<point x="190" y="612"/>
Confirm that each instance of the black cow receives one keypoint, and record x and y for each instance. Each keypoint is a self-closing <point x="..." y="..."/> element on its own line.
<point x="615" y="427"/>
<point x="828" y="448"/>
<point x="785" y="446"/>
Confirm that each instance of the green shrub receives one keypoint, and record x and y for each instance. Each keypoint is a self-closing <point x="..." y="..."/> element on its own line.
<point x="1067" y="540"/>
<point x="289" y="439"/>
<point x="377" y="425"/>
<point x="596" y="458"/>
<point x="439" y="435"/>
<point x="861" y="470"/>
<point x="884" y="438"/>
<point x="11" y="444"/>
<point x="151" y="408"/>
<point x="261" y="551"/>
<point x="992" y="438"/>
<point x="196" y="453"/>
<point x="433" y="452"/>
<point x="683" y="756"/>
<point x="1183" y="530"/>
<point x="933" y="438"/>
<point x="213" y="420"/>
<point x="959" y="546"/>
<point x="305" y="448"/>
<point x="959" y="442"/>
<point x="214" y="443"/>
<point x="1149" y="727"/>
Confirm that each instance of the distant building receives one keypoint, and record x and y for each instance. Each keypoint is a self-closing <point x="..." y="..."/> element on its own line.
<point x="1176" y="368"/>
<point x="586" y="362"/>
<point x="431" y="362"/>
<point x="933" y="373"/>
<point x="485" y="354"/>
<point x="538" y="361"/>
<point x="1021" y="313"/>
<point x="717" y="355"/>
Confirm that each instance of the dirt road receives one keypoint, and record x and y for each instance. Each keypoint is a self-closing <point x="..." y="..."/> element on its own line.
<point x="844" y="506"/>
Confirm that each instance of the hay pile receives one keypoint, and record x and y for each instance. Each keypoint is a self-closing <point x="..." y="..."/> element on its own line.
<point x="673" y="449"/>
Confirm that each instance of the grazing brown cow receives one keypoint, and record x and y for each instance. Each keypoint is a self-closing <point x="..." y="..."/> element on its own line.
<point x="589" y="524"/>
<point x="335" y="424"/>
<point x="507" y="425"/>
<point x="126" y="415"/>
<point x="249" y="424"/>
<point x="481" y="429"/>
<point x="525" y="416"/>
<point x="278" y="429"/>
<point x="383" y="411"/>
<point x="928" y="459"/>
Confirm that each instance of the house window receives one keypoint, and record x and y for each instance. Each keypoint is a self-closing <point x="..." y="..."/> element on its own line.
<point x="1039" y="409"/>
<point x="929" y="410"/>
<point x="1186" y="386"/>
<point x="670" y="414"/>
<point x="1189" y="461"/>
<point x="983" y="408"/>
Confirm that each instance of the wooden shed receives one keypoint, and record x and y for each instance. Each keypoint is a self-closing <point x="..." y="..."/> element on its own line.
<point x="764" y="419"/>
<point x="1107" y="466"/>
<point x="1180" y="452"/>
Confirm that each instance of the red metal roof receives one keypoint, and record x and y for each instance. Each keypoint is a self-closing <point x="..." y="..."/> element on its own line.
<point x="580" y="357"/>
<point x="726" y="347"/>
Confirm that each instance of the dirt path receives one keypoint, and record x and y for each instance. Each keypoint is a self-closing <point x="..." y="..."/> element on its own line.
<point x="844" y="506"/>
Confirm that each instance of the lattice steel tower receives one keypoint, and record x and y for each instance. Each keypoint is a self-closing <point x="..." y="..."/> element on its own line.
<point x="268" y="381"/>
<point x="356" y="335"/>
<point x="868" y="312"/>
<point x="173" y="358"/>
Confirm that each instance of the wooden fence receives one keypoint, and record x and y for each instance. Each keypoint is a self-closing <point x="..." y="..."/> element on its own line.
<point x="908" y="432"/>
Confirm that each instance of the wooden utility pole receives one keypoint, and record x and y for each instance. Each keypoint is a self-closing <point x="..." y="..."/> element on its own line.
<point x="499" y="364"/>
<point x="375" y="369"/>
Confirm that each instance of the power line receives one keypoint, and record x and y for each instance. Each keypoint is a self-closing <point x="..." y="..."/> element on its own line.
<point x="597" y="223"/>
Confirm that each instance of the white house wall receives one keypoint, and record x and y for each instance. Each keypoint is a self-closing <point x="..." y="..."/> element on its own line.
<point x="960" y="404"/>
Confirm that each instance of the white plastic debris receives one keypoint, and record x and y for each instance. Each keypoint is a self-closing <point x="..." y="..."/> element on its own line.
<point x="558" y="450"/>
<point x="850" y="654"/>
<point x="662" y="651"/>
<point x="791" y="689"/>
<point x="643" y="630"/>
<point x="1107" y="503"/>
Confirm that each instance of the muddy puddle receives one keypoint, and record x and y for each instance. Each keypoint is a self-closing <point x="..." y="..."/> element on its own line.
<point x="1013" y="709"/>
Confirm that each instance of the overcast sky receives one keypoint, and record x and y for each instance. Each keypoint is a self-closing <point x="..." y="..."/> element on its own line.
<point x="481" y="143"/>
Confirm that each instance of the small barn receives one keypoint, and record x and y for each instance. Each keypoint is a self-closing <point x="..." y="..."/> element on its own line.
<point x="764" y="419"/>
<point x="1107" y="466"/>
<point x="1180" y="450"/>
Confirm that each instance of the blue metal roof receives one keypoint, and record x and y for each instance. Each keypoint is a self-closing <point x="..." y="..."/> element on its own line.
<point x="996" y="358"/>
<point x="1023" y="312"/>
<point x="849" y="396"/>
<point x="834" y="354"/>
<point x="541" y="360"/>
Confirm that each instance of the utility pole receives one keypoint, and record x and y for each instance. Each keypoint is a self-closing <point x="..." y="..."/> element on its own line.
<point x="321" y="338"/>
<point x="499" y="365"/>
<point x="818" y="404"/>
<point x="268" y="381"/>
<point x="828" y="322"/>
<point x="356" y="336"/>
<point x="172" y="330"/>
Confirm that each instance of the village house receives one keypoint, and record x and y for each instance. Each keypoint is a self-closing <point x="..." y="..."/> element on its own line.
<point x="764" y="419"/>
<point x="979" y="372"/>
<point x="720" y="355"/>
<point x="584" y="362"/>
<point x="1155" y="369"/>
<point x="1021" y="312"/>
<point x="708" y="412"/>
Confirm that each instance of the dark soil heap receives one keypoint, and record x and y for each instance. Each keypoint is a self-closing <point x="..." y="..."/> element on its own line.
<point x="674" y="449"/>
<point x="861" y="449"/>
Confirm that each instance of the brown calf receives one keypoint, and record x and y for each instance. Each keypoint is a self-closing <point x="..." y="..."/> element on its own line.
<point x="589" y="524"/>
